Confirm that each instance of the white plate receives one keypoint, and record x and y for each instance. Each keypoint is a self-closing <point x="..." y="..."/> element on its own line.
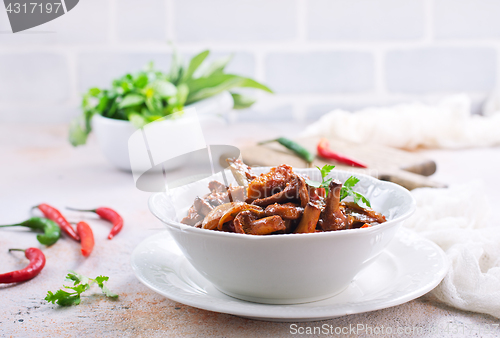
<point x="408" y="268"/>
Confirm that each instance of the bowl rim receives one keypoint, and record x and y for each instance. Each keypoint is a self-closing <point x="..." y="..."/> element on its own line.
<point x="348" y="232"/>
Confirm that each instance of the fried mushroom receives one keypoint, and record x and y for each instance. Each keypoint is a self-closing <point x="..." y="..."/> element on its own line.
<point x="309" y="219"/>
<point x="246" y="222"/>
<point x="332" y="217"/>
<point x="236" y="208"/>
<point x="296" y="189"/>
<point x="287" y="211"/>
<point x="270" y="183"/>
<point x="211" y="221"/>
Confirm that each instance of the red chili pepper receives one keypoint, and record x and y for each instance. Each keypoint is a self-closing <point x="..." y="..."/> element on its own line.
<point x="37" y="262"/>
<point x="109" y="215"/>
<point x="54" y="215"/>
<point x="87" y="238"/>
<point x="325" y="152"/>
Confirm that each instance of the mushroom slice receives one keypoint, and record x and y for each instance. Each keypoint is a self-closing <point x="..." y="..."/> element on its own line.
<point x="216" y="199"/>
<point x="270" y="183"/>
<point x="309" y="219"/>
<point x="246" y="223"/>
<point x="193" y="217"/>
<point x="373" y="216"/>
<point x="287" y="211"/>
<point x="211" y="221"/>
<point x="294" y="190"/>
<point x="238" y="194"/>
<point x="216" y="187"/>
<point x="302" y="191"/>
<point x="333" y="217"/>
<point x="267" y="225"/>
<point x="202" y="206"/>
<point x="236" y="208"/>
<point x="242" y="222"/>
<point x="241" y="172"/>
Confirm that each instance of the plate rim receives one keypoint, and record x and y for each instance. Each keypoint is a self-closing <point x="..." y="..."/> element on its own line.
<point x="287" y="316"/>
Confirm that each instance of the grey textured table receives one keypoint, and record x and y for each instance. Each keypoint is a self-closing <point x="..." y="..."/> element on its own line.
<point x="38" y="166"/>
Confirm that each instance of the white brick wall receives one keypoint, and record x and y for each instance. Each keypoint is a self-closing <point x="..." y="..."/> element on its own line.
<point x="316" y="54"/>
<point x="326" y="72"/>
<point x="468" y="19"/>
<point x="142" y="23"/>
<point x="235" y="21"/>
<point x="365" y="20"/>
<point x="443" y="69"/>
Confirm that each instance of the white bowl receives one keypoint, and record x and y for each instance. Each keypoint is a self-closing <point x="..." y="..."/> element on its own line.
<point x="113" y="139"/>
<point x="284" y="269"/>
<point x="113" y="135"/>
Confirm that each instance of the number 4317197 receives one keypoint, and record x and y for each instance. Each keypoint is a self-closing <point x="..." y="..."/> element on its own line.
<point x="33" y="7"/>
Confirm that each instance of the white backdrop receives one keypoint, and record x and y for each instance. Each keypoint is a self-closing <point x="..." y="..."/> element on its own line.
<point x="316" y="54"/>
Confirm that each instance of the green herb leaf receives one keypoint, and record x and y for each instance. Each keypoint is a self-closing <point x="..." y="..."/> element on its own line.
<point x="351" y="182"/>
<point x="77" y="278"/>
<point x="176" y="69"/>
<point x="347" y="190"/>
<point x="80" y="288"/>
<point x="111" y="112"/>
<point x="108" y="292"/>
<point x="137" y="120"/>
<point x="195" y="62"/>
<point x="100" y="281"/>
<point x="228" y="82"/>
<point x="63" y="298"/>
<point x="101" y="106"/>
<point x="314" y="184"/>
<point x="182" y="94"/>
<point x="216" y="67"/>
<point x="77" y="134"/>
<point x="325" y="170"/>
<point x="94" y="91"/>
<point x="358" y="197"/>
<point x="249" y="83"/>
<point x="81" y="284"/>
<point x="152" y="118"/>
<point x="154" y="105"/>
<point x="213" y="80"/>
<point x="51" y="298"/>
<point x="131" y="100"/>
<point x="163" y="88"/>
<point x="141" y="81"/>
<point x="242" y="101"/>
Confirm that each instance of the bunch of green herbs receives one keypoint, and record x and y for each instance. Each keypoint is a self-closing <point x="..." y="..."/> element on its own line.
<point x="151" y="94"/>
<point x="70" y="295"/>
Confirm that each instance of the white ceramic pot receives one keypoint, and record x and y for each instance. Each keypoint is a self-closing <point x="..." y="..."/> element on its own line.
<point x="284" y="269"/>
<point x="112" y="135"/>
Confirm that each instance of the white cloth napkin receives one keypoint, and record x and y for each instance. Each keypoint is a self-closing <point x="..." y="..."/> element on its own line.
<point x="460" y="221"/>
<point x="448" y="124"/>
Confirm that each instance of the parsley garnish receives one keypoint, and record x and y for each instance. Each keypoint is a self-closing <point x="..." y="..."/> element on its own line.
<point x="80" y="285"/>
<point x="346" y="188"/>
<point x="324" y="173"/>
<point x="347" y="191"/>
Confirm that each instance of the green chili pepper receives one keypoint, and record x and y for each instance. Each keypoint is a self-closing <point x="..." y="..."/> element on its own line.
<point x="295" y="147"/>
<point x="51" y="231"/>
